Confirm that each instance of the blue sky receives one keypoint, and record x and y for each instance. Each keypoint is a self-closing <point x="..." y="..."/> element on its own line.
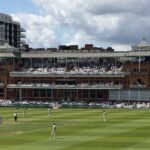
<point x="15" y="6"/>
<point x="104" y="23"/>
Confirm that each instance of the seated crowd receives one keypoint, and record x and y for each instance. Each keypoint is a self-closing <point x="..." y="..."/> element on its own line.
<point x="71" y="68"/>
<point x="92" y="104"/>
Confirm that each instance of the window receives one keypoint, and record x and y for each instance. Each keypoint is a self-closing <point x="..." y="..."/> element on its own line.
<point x="42" y="93"/>
<point x="85" y="94"/>
<point x="36" y="92"/>
<point x="92" y="93"/>
<point x="1" y="92"/>
<point x="48" y="92"/>
<point x="99" y="94"/>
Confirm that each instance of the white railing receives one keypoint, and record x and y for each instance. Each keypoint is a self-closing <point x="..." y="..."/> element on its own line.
<point x="49" y="86"/>
<point x="68" y="74"/>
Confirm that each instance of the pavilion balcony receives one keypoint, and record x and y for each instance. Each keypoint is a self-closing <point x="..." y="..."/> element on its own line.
<point x="66" y="74"/>
<point x="49" y="86"/>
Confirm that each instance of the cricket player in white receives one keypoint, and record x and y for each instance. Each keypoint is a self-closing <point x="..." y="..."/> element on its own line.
<point x="15" y="117"/>
<point x="48" y="111"/>
<point x="104" y="115"/>
<point x="53" y="134"/>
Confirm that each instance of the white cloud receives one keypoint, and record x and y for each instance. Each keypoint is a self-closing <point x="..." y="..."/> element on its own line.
<point x="81" y="38"/>
<point x="40" y="30"/>
<point x="119" y="23"/>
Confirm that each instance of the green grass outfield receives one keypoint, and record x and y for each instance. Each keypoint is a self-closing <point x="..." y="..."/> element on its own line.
<point x="77" y="129"/>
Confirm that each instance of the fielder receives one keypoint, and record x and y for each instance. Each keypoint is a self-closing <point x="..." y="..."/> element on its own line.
<point x="15" y="117"/>
<point x="49" y="111"/>
<point x="104" y="115"/>
<point x="53" y="134"/>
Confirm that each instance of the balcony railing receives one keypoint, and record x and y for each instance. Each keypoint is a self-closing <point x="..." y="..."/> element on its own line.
<point x="137" y="86"/>
<point x="22" y="30"/>
<point x="22" y="35"/>
<point x="65" y="74"/>
<point x="49" y="86"/>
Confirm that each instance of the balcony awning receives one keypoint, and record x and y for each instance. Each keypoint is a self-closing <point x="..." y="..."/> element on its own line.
<point x="71" y="55"/>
